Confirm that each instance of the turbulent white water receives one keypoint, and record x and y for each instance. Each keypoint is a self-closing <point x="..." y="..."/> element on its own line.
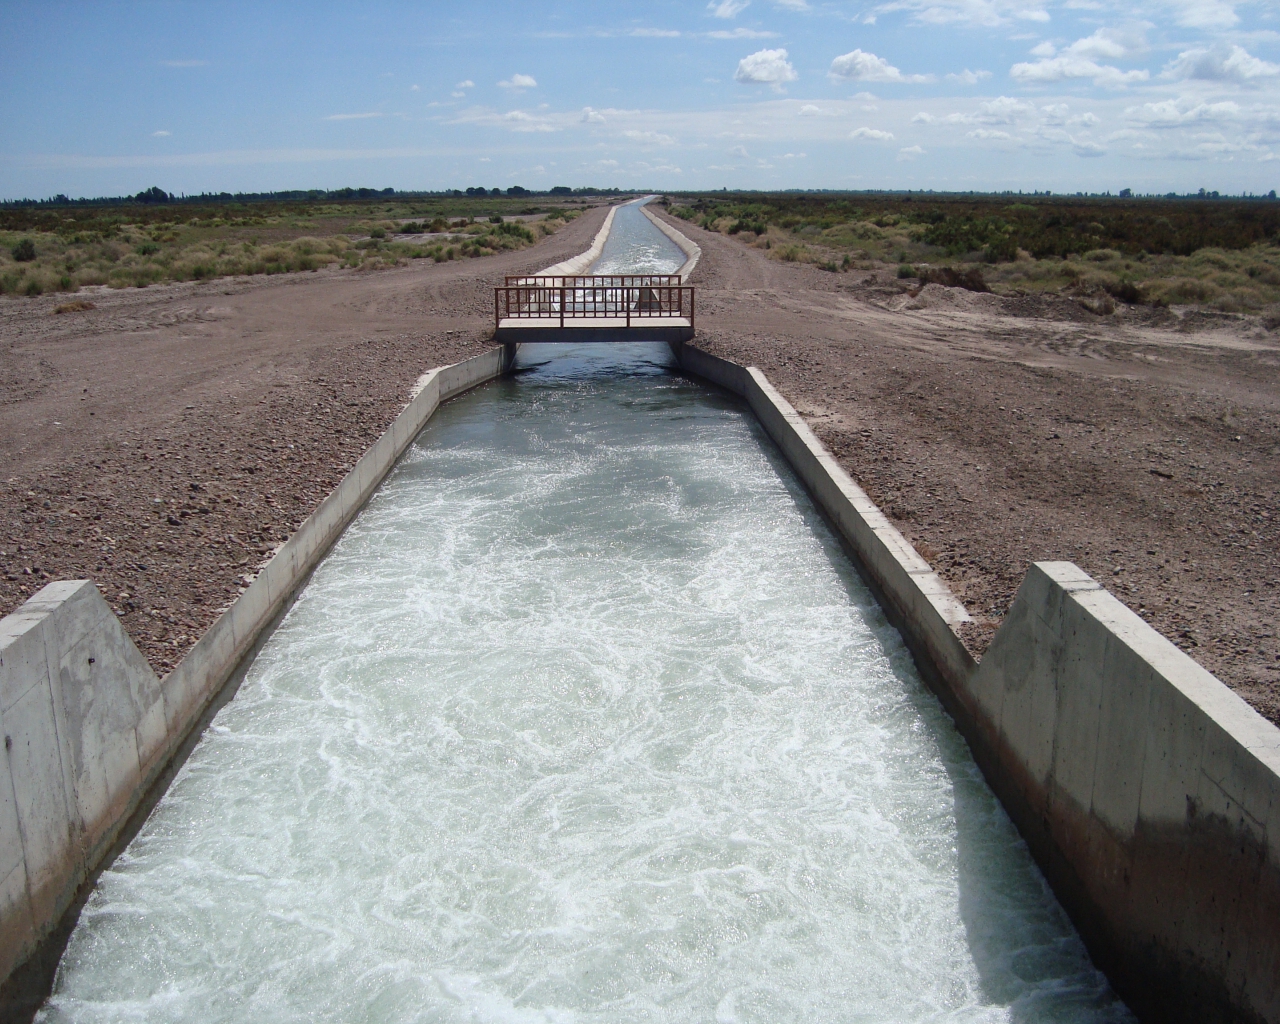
<point x="585" y="719"/>
<point x="635" y="246"/>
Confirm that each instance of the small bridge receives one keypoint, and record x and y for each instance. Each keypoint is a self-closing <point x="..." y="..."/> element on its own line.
<point x="603" y="307"/>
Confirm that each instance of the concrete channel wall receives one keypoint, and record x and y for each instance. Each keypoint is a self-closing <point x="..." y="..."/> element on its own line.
<point x="692" y="252"/>
<point x="1148" y="792"/>
<point x="579" y="264"/>
<point x="87" y="725"/>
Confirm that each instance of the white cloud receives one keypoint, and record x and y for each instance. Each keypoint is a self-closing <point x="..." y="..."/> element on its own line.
<point x="967" y="77"/>
<point x="518" y="82"/>
<point x="809" y="110"/>
<point x="728" y="8"/>
<point x="1057" y="69"/>
<point x="415" y="88"/>
<point x="970" y="13"/>
<point x="1210" y="14"/>
<point x="792" y="5"/>
<point x="1106" y="43"/>
<point x="590" y="116"/>
<point x="649" y="138"/>
<point x="520" y="121"/>
<point x="871" y="133"/>
<point x="739" y="151"/>
<point x="1045" y="49"/>
<point x="1183" y="111"/>
<point x="1087" y="148"/>
<point x="655" y="33"/>
<point x="457" y="95"/>
<point x="354" y="117"/>
<point x="468" y="84"/>
<point x="769" y="67"/>
<point x="741" y="33"/>
<point x="924" y="118"/>
<point x="1004" y="110"/>
<point x="185" y="63"/>
<point x="857" y="66"/>
<point x="794" y="156"/>
<point x="162" y="134"/>
<point x="910" y="152"/>
<point x="1235" y="64"/>
<point x="988" y="133"/>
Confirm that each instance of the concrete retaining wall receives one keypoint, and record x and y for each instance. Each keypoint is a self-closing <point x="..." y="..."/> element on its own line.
<point x="691" y="251"/>
<point x="1148" y="792"/>
<point x="87" y="725"/>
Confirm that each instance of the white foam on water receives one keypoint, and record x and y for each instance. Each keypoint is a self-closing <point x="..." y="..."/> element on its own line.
<point x="635" y="246"/>
<point x="585" y="719"/>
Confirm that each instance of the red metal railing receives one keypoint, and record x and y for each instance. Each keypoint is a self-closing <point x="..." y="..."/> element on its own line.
<point x="633" y="297"/>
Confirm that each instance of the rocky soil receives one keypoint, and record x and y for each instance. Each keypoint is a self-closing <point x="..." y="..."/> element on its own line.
<point x="165" y="442"/>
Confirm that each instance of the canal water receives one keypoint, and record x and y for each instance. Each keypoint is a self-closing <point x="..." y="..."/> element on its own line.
<point x="587" y="718"/>
<point x="635" y="246"/>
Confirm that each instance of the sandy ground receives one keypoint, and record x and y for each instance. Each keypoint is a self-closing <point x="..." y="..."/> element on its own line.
<point x="164" y="443"/>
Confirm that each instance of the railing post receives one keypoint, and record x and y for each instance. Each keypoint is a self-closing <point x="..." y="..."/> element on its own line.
<point x="562" y="306"/>
<point x="626" y="298"/>
<point x="693" y="309"/>
<point x="496" y="319"/>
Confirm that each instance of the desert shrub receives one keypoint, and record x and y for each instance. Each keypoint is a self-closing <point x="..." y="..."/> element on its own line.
<point x="24" y="251"/>
<point x="77" y="306"/>
<point x="377" y="233"/>
<point x="905" y="270"/>
<point x="970" y="278"/>
<point x="1124" y="290"/>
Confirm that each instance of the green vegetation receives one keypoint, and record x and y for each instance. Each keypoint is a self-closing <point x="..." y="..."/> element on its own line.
<point x="50" y="248"/>
<point x="1223" y="253"/>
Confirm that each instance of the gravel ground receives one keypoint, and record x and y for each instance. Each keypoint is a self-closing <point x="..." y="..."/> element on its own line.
<point x="996" y="432"/>
<point x="164" y="443"/>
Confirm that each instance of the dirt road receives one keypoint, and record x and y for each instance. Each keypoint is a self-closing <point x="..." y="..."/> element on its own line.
<point x="164" y="443"/>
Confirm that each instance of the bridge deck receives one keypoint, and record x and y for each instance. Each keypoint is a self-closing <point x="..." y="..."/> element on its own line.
<point x="626" y="307"/>
<point x="527" y="330"/>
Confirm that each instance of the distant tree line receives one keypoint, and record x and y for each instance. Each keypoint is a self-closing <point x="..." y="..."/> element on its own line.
<point x="156" y="195"/>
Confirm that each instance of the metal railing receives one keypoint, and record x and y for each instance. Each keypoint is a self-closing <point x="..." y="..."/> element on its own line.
<point x="595" y="280"/>
<point x="632" y="297"/>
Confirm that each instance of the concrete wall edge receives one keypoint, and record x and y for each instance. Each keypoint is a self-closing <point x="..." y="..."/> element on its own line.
<point x="54" y="618"/>
<point x="1164" y="852"/>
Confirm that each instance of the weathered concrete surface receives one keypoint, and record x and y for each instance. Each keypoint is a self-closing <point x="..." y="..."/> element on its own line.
<point x="1147" y="790"/>
<point x="87" y="725"/>
<point x="83" y="722"/>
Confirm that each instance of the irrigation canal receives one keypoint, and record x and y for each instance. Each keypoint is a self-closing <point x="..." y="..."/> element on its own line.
<point x="586" y="718"/>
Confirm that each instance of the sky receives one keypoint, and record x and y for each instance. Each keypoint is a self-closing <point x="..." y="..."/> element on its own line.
<point x="1062" y="95"/>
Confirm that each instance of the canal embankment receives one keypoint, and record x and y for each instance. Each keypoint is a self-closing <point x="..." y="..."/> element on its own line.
<point x="1189" y="800"/>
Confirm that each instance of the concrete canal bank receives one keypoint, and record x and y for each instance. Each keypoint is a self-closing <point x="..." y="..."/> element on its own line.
<point x="1148" y="793"/>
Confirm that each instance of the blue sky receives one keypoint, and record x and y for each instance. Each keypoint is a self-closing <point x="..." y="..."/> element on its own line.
<point x="1067" y="95"/>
